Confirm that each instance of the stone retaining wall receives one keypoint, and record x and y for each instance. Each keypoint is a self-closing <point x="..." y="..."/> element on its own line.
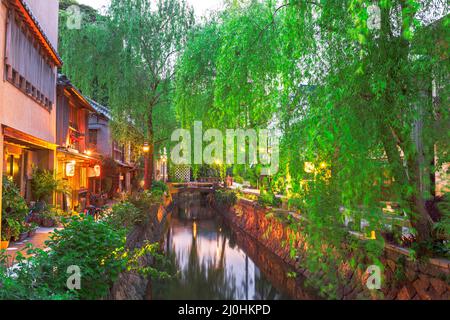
<point x="132" y="285"/>
<point x="403" y="279"/>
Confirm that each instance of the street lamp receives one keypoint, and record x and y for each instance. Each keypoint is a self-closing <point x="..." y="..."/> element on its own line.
<point x="146" y="150"/>
<point x="164" y="164"/>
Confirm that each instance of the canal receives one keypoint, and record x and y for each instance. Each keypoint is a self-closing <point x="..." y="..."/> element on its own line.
<point x="212" y="260"/>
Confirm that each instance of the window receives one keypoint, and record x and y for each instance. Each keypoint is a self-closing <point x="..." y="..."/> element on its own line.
<point x="93" y="136"/>
<point x="27" y="67"/>
<point x="118" y="151"/>
<point x="73" y="117"/>
<point x="83" y="178"/>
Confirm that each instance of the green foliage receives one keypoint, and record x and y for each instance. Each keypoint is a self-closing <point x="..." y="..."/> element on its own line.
<point x="225" y="198"/>
<point x="159" y="185"/>
<point x="124" y="215"/>
<point x="296" y="202"/>
<point x="14" y="210"/>
<point x="97" y="248"/>
<point x="238" y="179"/>
<point x="443" y="226"/>
<point x="147" y="38"/>
<point x="345" y="97"/>
<point x="44" y="183"/>
<point x="268" y="199"/>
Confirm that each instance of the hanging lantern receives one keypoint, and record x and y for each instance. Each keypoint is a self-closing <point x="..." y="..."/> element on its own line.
<point x="309" y="167"/>
<point x="70" y="168"/>
<point x="97" y="170"/>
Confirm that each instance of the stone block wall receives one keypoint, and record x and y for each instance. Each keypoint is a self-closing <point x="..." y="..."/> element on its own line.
<point x="403" y="278"/>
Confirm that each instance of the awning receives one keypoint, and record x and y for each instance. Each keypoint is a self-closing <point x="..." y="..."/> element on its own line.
<point x="77" y="156"/>
<point x="26" y="140"/>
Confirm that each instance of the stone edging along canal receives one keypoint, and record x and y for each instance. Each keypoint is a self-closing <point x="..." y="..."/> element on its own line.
<point x="131" y="285"/>
<point x="420" y="280"/>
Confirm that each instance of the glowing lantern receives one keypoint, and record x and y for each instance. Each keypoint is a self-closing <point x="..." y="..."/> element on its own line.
<point x="97" y="170"/>
<point x="194" y="230"/>
<point x="309" y="167"/>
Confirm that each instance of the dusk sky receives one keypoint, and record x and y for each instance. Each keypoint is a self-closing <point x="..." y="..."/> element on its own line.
<point x="200" y="6"/>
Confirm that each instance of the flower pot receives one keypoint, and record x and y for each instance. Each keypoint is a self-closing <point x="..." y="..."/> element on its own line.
<point x="4" y="245"/>
<point x="22" y="236"/>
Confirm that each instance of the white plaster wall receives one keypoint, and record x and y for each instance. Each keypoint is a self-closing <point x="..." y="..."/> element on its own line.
<point x="17" y="110"/>
<point x="46" y="12"/>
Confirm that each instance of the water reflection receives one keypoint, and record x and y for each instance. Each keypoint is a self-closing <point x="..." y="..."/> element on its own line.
<point x="211" y="265"/>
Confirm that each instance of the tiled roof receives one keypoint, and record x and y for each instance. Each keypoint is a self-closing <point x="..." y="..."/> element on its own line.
<point x="105" y="111"/>
<point x="65" y="82"/>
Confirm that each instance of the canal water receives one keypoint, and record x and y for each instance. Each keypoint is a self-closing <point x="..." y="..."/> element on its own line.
<point x="212" y="260"/>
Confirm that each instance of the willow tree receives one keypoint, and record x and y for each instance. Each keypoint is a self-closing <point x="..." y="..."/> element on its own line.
<point x="350" y="87"/>
<point x="126" y="58"/>
<point x="372" y="115"/>
<point x="149" y="35"/>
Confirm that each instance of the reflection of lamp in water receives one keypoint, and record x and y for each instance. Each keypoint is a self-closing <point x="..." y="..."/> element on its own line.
<point x="194" y="230"/>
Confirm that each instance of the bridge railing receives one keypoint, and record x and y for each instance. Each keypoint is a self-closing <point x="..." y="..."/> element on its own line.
<point x="175" y="187"/>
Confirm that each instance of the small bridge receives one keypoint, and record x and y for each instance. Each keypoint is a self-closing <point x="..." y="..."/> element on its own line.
<point x="175" y="188"/>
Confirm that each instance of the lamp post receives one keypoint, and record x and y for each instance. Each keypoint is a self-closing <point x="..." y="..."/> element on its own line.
<point x="164" y="166"/>
<point x="146" y="149"/>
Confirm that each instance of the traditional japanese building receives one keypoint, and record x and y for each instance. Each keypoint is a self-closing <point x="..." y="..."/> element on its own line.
<point x="75" y="162"/>
<point x="29" y="60"/>
<point x="119" y="170"/>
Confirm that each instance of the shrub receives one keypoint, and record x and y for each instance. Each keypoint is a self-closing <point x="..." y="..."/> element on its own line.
<point x="93" y="247"/>
<point x="145" y="200"/>
<point x="267" y="199"/>
<point x="296" y="203"/>
<point x="44" y="183"/>
<point x="97" y="248"/>
<point x="14" y="209"/>
<point x="238" y="179"/>
<point x="124" y="215"/>
<point x="160" y="185"/>
<point x="225" y="198"/>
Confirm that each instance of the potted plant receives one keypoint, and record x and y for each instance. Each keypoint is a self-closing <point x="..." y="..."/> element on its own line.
<point x="14" y="209"/>
<point x="51" y="216"/>
<point x="15" y="228"/>
<point x="43" y="184"/>
<point x="4" y="244"/>
<point x="48" y="219"/>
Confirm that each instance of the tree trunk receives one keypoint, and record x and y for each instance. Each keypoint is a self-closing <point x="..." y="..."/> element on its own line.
<point x="420" y="219"/>
<point x="149" y="177"/>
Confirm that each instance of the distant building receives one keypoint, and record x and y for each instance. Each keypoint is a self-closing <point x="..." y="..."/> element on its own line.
<point x="118" y="159"/>
<point x="75" y="162"/>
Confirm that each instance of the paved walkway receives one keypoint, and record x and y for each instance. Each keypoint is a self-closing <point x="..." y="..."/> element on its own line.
<point x="38" y="241"/>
